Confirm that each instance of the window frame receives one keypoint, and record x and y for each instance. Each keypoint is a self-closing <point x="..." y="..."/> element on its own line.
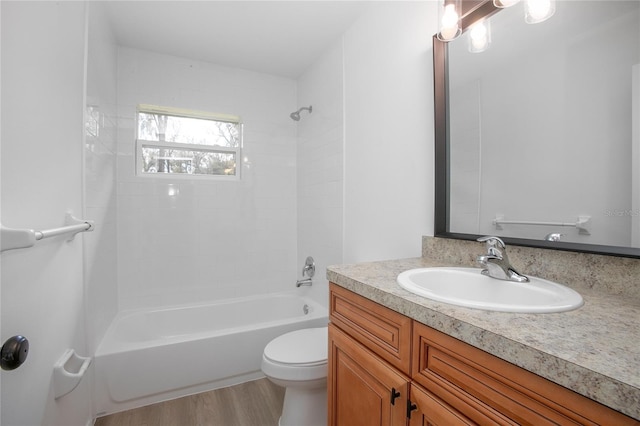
<point x="202" y="115"/>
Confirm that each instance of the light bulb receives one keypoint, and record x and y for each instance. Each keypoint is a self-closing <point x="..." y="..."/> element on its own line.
<point x="478" y="32"/>
<point x="479" y="36"/>
<point x="449" y="23"/>
<point x="537" y="11"/>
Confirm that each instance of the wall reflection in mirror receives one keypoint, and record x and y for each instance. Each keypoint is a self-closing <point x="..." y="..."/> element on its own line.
<point x="544" y="126"/>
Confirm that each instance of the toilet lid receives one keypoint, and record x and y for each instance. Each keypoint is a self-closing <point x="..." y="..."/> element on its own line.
<point x="307" y="346"/>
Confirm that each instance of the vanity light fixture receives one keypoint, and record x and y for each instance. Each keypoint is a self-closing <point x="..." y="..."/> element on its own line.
<point x="449" y="19"/>
<point x="479" y="37"/>
<point x="536" y="11"/>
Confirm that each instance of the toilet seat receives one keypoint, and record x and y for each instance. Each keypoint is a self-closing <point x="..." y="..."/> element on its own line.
<point x="300" y="348"/>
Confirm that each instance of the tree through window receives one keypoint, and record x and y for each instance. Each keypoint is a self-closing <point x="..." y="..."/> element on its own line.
<point x="175" y="141"/>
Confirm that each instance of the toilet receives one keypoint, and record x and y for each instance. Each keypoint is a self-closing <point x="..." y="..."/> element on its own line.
<point x="297" y="361"/>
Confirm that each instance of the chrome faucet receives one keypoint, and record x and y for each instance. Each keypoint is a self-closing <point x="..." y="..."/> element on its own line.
<point x="496" y="262"/>
<point x="309" y="269"/>
<point x="305" y="281"/>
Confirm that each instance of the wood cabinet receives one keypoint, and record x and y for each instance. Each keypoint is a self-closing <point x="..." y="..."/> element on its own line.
<point x="365" y="390"/>
<point x="459" y="372"/>
<point x="383" y="331"/>
<point x="386" y="369"/>
<point x="429" y="410"/>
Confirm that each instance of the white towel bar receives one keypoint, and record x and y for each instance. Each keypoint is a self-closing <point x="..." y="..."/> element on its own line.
<point x="85" y="226"/>
<point x="583" y="223"/>
<point x="22" y="238"/>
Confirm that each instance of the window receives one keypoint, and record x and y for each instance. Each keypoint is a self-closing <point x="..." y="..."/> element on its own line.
<point x="174" y="142"/>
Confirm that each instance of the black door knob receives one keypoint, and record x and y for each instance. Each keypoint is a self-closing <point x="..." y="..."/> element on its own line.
<point x="14" y="352"/>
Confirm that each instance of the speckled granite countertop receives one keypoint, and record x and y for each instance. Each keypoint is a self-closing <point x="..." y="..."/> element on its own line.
<point x="594" y="350"/>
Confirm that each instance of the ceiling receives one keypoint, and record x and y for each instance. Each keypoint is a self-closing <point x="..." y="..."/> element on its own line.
<point x="276" y="37"/>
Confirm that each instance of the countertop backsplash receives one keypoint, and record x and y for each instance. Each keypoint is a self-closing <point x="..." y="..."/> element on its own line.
<point x="611" y="274"/>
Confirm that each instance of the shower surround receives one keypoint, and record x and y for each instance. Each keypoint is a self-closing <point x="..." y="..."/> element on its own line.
<point x="182" y="240"/>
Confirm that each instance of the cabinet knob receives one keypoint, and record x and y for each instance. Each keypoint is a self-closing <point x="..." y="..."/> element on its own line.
<point x="410" y="407"/>
<point x="394" y="394"/>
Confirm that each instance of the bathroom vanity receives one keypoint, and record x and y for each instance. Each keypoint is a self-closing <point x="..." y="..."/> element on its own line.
<point x="399" y="359"/>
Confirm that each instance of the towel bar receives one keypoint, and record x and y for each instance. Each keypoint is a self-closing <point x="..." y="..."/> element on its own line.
<point x="22" y="238"/>
<point x="583" y="224"/>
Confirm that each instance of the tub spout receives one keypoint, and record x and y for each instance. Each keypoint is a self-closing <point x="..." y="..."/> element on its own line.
<point x="309" y="270"/>
<point x="306" y="281"/>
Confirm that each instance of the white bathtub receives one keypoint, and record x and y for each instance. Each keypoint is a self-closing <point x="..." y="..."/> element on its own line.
<point x="149" y="356"/>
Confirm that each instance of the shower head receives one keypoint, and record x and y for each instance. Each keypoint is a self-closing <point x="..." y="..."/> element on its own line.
<point x="296" y="115"/>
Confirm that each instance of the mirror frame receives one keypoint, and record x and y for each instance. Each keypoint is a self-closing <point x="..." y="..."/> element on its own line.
<point x="472" y="11"/>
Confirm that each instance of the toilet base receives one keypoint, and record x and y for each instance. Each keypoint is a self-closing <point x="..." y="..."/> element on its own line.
<point x="304" y="407"/>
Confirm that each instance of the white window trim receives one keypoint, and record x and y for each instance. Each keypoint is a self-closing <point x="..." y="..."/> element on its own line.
<point x="140" y="143"/>
<point x="188" y="113"/>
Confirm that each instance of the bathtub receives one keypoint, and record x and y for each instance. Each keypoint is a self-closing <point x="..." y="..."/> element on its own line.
<point x="153" y="355"/>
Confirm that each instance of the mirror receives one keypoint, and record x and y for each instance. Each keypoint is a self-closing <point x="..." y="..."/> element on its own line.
<point x="538" y="136"/>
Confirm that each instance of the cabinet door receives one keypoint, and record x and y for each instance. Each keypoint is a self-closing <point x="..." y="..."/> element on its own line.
<point x="381" y="330"/>
<point x="476" y="382"/>
<point x="432" y="411"/>
<point x="361" y="386"/>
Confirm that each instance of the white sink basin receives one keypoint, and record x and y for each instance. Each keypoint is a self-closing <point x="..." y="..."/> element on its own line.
<point x="469" y="288"/>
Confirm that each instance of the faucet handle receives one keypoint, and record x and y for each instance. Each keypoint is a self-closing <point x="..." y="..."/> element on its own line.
<point x="492" y="242"/>
<point x="309" y="268"/>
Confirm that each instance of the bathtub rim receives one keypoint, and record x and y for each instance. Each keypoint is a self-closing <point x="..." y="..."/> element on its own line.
<point x="109" y="344"/>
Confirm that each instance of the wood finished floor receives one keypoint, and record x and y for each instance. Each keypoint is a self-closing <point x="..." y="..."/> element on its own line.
<point x="257" y="403"/>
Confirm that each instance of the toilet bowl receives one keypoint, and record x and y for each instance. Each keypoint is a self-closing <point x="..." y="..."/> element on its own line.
<point x="298" y="361"/>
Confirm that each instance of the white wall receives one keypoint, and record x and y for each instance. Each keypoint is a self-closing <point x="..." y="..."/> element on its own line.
<point x="100" y="256"/>
<point x="365" y="154"/>
<point x="320" y="168"/>
<point x="43" y="45"/>
<point x="388" y="82"/>
<point x="214" y="239"/>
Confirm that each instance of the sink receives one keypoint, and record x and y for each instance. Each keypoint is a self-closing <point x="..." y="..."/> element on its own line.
<point x="469" y="288"/>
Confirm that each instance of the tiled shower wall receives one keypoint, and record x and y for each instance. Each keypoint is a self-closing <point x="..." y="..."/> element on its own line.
<point x="188" y="240"/>
<point x="320" y="167"/>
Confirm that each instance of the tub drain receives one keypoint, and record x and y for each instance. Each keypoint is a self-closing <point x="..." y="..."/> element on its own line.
<point x="305" y="309"/>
